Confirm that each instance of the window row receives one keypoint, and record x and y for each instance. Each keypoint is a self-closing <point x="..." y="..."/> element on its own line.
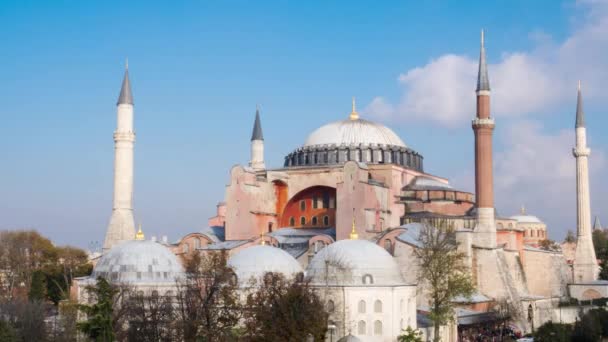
<point x="314" y="221"/>
<point x="324" y="202"/>
<point x="362" y="328"/>
<point x="361" y="307"/>
<point x="535" y="233"/>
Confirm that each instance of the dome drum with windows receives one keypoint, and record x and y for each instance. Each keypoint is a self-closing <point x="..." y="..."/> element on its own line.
<point x="354" y="139"/>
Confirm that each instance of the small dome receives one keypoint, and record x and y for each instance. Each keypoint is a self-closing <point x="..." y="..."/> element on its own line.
<point x="255" y="262"/>
<point x="354" y="262"/>
<point x="138" y="262"/>
<point x="526" y="219"/>
<point x="349" y="338"/>
<point x="353" y="132"/>
<point x="427" y="183"/>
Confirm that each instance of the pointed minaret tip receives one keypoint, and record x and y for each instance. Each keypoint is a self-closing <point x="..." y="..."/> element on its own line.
<point x="257" y="126"/>
<point x="596" y="224"/>
<point x="125" y="97"/>
<point x="483" y="81"/>
<point x="580" y="114"/>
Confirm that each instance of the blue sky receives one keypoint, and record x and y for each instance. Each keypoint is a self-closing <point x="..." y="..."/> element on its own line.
<point x="198" y="69"/>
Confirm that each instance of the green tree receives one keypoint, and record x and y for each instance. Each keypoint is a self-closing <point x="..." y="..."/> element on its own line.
<point x="570" y="237"/>
<point x="208" y="300"/>
<point x="442" y="267"/>
<point x="553" y="332"/>
<point x="99" y="322"/>
<point x="7" y="332"/>
<point x="410" y="335"/>
<point x="282" y="309"/>
<point x="549" y="245"/>
<point x="38" y="286"/>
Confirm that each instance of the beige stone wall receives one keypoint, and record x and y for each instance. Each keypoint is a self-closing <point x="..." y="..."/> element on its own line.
<point x="547" y="273"/>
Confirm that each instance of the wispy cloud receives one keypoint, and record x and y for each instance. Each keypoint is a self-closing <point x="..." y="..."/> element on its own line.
<point x="523" y="82"/>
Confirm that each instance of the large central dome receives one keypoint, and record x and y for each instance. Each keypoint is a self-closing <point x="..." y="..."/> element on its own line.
<point x="353" y="139"/>
<point x="354" y="132"/>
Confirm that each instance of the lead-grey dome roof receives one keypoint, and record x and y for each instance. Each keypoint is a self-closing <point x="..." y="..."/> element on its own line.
<point x="346" y="262"/>
<point x="254" y="262"/>
<point x="138" y="261"/>
<point x="353" y="132"/>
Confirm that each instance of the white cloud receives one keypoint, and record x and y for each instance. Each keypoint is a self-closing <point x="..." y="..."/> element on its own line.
<point x="538" y="171"/>
<point x="522" y="82"/>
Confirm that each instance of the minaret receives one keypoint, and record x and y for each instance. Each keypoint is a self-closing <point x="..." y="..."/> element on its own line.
<point x="122" y="224"/>
<point x="596" y="224"/>
<point x="585" y="262"/>
<point x="257" y="144"/>
<point x="483" y="127"/>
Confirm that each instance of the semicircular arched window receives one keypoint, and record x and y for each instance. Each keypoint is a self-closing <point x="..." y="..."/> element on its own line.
<point x="368" y="279"/>
<point x="361" y="306"/>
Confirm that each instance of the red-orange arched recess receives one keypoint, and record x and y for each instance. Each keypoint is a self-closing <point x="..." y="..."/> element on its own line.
<point x="591" y="294"/>
<point x="280" y="193"/>
<point x="313" y="207"/>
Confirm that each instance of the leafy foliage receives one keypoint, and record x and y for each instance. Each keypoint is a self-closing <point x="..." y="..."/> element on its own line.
<point x="283" y="309"/>
<point x="549" y="245"/>
<point x="410" y="335"/>
<point x="570" y="237"/>
<point x="442" y="267"/>
<point x="553" y="332"/>
<point x="25" y="255"/>
<point x="208" y="300"/>
<point x="7" y="332"/>
<point x="99" y="323"/>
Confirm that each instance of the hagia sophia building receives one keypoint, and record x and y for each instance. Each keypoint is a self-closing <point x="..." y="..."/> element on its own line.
<point x="345" y="210"/>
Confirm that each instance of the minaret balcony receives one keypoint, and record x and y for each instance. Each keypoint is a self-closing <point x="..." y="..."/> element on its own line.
<point x="581" y="152"/>
<point x="477" y="122"/>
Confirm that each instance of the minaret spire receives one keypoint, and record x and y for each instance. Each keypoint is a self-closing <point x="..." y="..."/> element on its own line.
<point x="483" y="82"/>
<point x="483" y="127"/>
<point x="125" y="97"/>
<point x="580" y="115"/>
<point x="585" y="262"/>
<point x="122" y="224"/>
<point x="257" y="143"/>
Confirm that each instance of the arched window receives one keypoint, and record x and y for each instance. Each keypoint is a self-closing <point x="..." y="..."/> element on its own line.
<point x="314" y="221"/>
<point x="185" y="248"/>
<point x="378" y="306"/>
<point x="326" y="220"/>
<point x="303" y="205"/>
<point x="197" y="244"/>
<point x="154" y="293"/>
<point x="401" y="324"/>
<point x="368" y="279"/>
<point x="361" y="330"/>
<point x="292" y="221"/>
<point x="270" y="227"/>
<point x="361" y="306"/>
<point x="233" y="279"/>
<point x="377" y="328"/>
<point x="302" y="221"/>
<point x="330" y="306"/>
<point x="314" y="202"/>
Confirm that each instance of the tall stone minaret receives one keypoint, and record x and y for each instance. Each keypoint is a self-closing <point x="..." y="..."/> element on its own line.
<point x="122" y="224"/>
<point x="483" y="127"/>
<point x="585" y="262"/>
<point x="257" y="144"/>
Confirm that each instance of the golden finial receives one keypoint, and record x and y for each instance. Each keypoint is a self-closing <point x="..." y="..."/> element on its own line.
<point x="353" y="232"/>
<point x="139" y="235"/>
<point x="354" y="115"/>
<point x="523" y="210"/>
